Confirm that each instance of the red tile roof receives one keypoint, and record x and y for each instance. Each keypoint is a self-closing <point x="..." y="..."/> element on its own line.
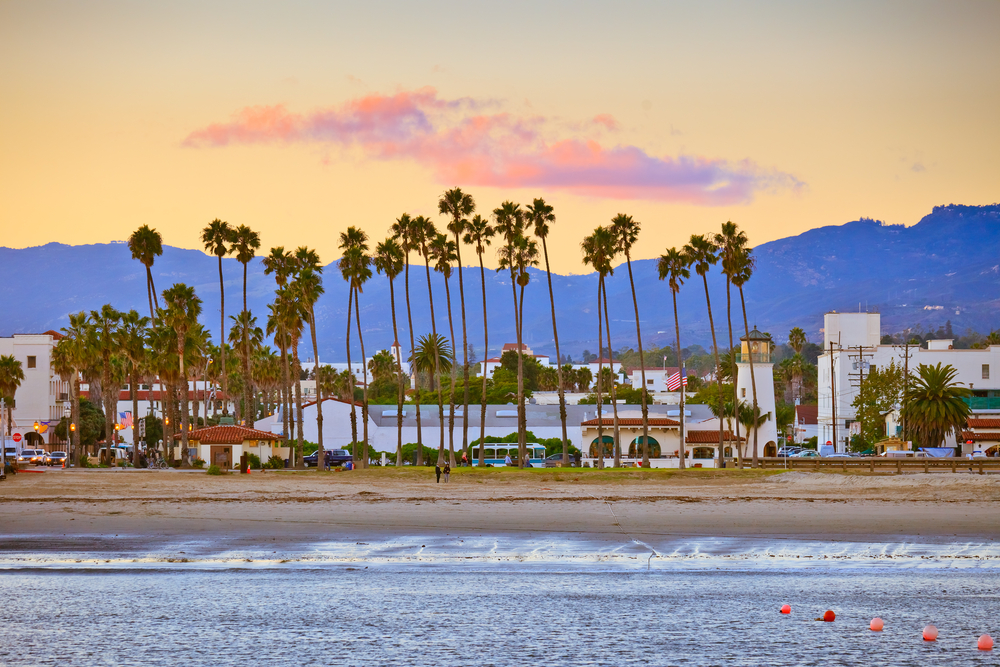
<point x="230" y="435"/>
<point x="981" y="437"/>
<point x="984" y="423"/>
<point x="807" y="414"/>
<point x="709" y="437"/>
<point x="631" y="421"/>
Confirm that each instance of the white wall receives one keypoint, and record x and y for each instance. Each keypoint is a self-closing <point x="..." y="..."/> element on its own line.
<point x="37" y="397"/>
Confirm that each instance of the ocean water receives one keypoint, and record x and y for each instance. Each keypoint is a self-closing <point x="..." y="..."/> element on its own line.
<point x="371" y="611"/>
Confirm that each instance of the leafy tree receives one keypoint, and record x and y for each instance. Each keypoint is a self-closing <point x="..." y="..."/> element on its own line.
<point x="673" y="267"/>
<point x="91" y="428"/>
<point x="880" y="392"/>
<point x="933" y="407"/>
<point x="478" y="233"/>
<point x="731" y="241"/>
<point x="146" y="245"/>
<point x="11" y="377"/>
<point x="217" y="238"/>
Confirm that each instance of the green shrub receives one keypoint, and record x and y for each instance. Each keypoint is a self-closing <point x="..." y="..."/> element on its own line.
<point x="254" y="461"/>
<point x="309" y="447"/>
<point x="198" y="463"/>
<point x="275" y="463"/>
<point x="214" y="470"/>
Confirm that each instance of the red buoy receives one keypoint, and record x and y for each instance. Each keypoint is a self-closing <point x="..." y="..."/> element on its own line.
<point x="985" y="643"/>
<point x="785" y="609"/>
<point x="930" y="633"/>
<point x="829" y="616"/>
<point x="876" y="624"/>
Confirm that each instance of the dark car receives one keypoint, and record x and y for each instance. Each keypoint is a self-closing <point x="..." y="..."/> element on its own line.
<point x="335" y="458"/>
<point x="555" y="461"/>
<point x="54" y="459"/>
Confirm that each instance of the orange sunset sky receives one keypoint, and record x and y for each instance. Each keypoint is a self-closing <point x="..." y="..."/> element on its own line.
<point x="301" y="118"/>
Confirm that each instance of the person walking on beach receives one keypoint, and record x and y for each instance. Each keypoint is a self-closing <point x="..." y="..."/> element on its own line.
<point x="437" y="471"/>
<point x="507" y="461"/>
<point x="465" y="460"/>
<point x="447" y="472"/>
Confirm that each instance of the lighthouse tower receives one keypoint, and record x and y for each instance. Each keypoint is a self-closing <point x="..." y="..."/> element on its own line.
<point x="757" y="344"/>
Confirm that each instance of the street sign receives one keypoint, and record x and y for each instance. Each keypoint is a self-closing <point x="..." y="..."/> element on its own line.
<point x="142" y="427"/>
<point x="17" y="437"/>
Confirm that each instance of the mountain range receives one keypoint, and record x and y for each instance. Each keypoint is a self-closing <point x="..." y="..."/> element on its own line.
<point x="945" y="267"/>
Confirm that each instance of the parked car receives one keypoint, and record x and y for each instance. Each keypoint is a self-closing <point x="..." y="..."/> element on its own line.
<point x="791" y="450"/>
<point x="555" y="461"/>
<point x="806" y="454"/>
<point x="55" y="459"/>
<point x="839" y="456"/>
<point x="334" y="458"/>
<point x="30" y="456"/>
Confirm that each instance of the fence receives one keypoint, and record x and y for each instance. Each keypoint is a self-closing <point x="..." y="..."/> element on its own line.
<point x="871" y="464"/>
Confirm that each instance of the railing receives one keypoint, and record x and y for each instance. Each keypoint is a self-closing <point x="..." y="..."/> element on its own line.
<point x="758" y="357"/>
<point x="982" y="402"/>
<point x="873" y="463"/>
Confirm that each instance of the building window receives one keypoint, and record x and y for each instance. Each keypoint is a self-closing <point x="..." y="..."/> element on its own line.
<point x="744" y="392"/>
<point x="649" y="382"/>
<point x="986" y="371"/>
<point x="31" y="362"/>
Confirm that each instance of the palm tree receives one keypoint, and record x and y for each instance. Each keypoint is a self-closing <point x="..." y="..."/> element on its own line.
<point x="703" y="254"/>
<point x="181" y="311"/>
<point x="405" y="231"/>
<point x="596" y="249"/>
<point x="282" y="265"/>
<point x="540" y="216"/>
<point x="478" y="233"/>
<point x="933" y="406"/>
<point x="353" y="239"/>
<point x="388" y="260"/>
<point x="751" y="418"/>
<point x="626" y="231"/>
<point x="673" y="268"/>
<point x="246" y="242"/>
<point x="276" y="328"/>
<point x="290" y="316"/>
<point x="309" y="285"/>
<point x="146" y="245"/>
<point x="217" y="237"/>
<point x="11" y="377"/>
<point x="797" y="339"/>
<point x="460" y="206"/>
<point x="425" y="232"/>
<point x="611" y="364"/>
<point x="433" y="355"/>
<point x="132" y="343"/>
<point x="78" y="355"/>
<point x="730" y="241"/>
<point x="245" y="330"/>
<point x="104" y="334"/>
<point x="444" y="252"/>
<point x="361" y="273"/>
<point x="743" y="266"/>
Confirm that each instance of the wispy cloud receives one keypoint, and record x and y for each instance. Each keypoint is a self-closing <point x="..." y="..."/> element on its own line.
<point x="469" y="142"/>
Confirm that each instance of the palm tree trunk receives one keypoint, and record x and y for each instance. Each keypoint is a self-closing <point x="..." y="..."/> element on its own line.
<point x="185" y="459"/>
<point x="413" y="346"/>
<point x="753" y="380"/>
<point x="286" y="385"/>
<point x="437" y="367"/>
<point x="350" y="373"/>
<point x="521" y="420"/>
<point x="465" y="350"/>
<point x="399" y="377"/>
<point x="614" y="392"/>
<point x="248" y="416"/>
<point x="134" y="395"/>
<point x="150" y="293"/>
<point x="451" y="390"/>
<point x="680" y="366"/>
<point x="222" y="342"/>
<point x="320" y="456"/>
<point x="718" y="377"/>
<point x="732" y="359"/>
<point x="642" y="364"/>
<point x="297" y="454"/>
<point x="559" y="365"/>
<point x="77" y="452"/>
<point x="486" y="355"/>
<point x="364" y="388"/>
<point x="600" y="367"/>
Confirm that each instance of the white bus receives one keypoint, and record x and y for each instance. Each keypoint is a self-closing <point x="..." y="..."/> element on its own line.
<point x="496" y="453"/>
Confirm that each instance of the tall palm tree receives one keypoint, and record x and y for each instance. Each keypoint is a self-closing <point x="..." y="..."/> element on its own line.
<point x="146" y="245"/>
<point x="478" y="233"/>
<point x="933" y="407"/>
<point x="743" y="266"/>
<point x="433" y="355"/>
<point x="360" y="262"/>
<point x="104" y="334"/>
<point x="76" y="340"/>
<point x="217" y="238"/>
<point x="540" y="216"/>
<point x="797" y="339"/>
<point x="752" y="419"/>
<point x="459" y="206"/>
<point x="246" y="242"/>
<point x="673" y="267"/>
<point x="730" y="241"/>
<point x="444" y="252"/>
<point x="388" y="260"/>
<point x="703" y="254"/>
<point x="611" y="365"/>
<point x="11" y="377"/>
<point x="309" y="285"/>
<point x="288" y="311"/>
<point x="626" y="231"/>
<point x="282" y="265"/>
<point x="353" y="239"/>
<point x="596" y="249"/>
<point x="425" y="232"/>
<point x="181" y="311"/>
<point x="132" y="344"/>
<point x="244" y="328"/>
<point x="276" y="328"/>
<point x="405" y="231"/>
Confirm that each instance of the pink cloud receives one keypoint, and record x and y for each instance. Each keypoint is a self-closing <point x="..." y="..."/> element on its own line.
<point x="460" y="144"/>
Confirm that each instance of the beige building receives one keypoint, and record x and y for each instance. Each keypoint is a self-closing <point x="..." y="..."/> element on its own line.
<point x="224" y="445"/>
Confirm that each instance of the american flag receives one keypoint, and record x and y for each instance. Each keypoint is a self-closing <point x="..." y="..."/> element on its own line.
<point x="125" y="419"/>
<point x="675" y="381"/>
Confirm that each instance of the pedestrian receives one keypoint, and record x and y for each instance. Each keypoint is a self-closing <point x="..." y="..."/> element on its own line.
<point x="465" y="460"/>
<point x="507" y="461"/>
<point x="447" y="472"/>
<point x="437" y="471"/>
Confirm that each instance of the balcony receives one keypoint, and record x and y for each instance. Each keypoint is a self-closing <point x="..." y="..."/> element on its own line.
<point x="983" y="402"/>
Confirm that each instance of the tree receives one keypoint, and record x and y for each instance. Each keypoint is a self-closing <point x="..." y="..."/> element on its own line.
<point x="246" y="242"/>
<point x="281" y="264"/>
<point x="933" y="407"/>
<point x="246" y="337"/>
<point x="797" y="339"/>
<point x="217" y="237"/>
<point x="424" y="234"/>
<point x="405" y="231"/>
<point x="388" y="260"/>
<point x="104" y="337"/>
<point x="751" y="418"/>
<point x="673" y="267"/>
<point x="444" y="252"/>
<point x="730" y="241"/>
<point x="460" y="206"/>
<point x="743" y="266"/>
<point x="309" y="288"/>
<point x="146" y="245"/>
<point x="181" y="311"/>
<point x="353" y="263"/>
<point x="597" y="249"/>
<point x="433" y="354"/>
<point x="78" y="355"/>
<point x="360" y="267"/>
<point x="132" y="342"/>
<point x="540" y="216"/>
<point x="879" y="393"/>
<point x="478" y="233"/>
<point x="288" y="315"/>
<point x="11" y="377"/>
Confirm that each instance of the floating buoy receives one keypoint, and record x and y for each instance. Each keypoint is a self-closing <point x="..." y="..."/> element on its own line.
<point x="930" y="633"/>
<point x="876" y="624"/>
<point x="985" y="643"/>
<point x="829" y="616"/>
<point x="785" y="609"/>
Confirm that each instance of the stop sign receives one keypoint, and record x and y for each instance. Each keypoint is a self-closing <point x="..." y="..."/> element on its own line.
<point x="17" y="437"/>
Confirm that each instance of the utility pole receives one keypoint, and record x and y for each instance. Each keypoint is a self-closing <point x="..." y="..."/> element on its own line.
<point x="833" y="398"/>
<point x="906" y="381"/>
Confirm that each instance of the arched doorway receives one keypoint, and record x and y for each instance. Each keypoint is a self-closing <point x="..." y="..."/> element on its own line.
<point x="770" y="449"/>
<point x="993" y="451"/>
<point x="33" y="441"/>
<point x="609" y="448"/>
<point x="729" y="452"/>
<point x="635" y="448"/>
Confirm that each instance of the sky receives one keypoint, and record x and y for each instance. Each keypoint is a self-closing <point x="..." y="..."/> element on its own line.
<point x="299" y="119"/>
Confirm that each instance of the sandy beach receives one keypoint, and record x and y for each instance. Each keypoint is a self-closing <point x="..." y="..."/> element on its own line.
<point x="80" y="509"/>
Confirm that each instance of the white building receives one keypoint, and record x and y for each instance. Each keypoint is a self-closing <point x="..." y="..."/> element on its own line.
<point x="43" y="397"/>
<point x="656" y="378"/>
<point x="545" y="360"/>
<point x="759" y="346"/>
<point x="856" y="350"/>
